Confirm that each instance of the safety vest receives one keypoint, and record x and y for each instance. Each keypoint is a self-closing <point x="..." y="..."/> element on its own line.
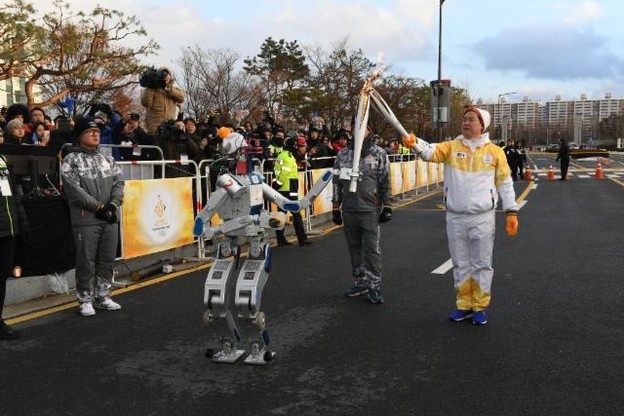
<point x="286" y="171"/>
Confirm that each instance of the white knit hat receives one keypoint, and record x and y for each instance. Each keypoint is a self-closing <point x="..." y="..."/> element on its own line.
<point x="484" y="116"/>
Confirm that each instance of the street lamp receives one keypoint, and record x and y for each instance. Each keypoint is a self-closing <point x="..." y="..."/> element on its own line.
<point x="437" y="92"/>
<point x="501" y="116"/>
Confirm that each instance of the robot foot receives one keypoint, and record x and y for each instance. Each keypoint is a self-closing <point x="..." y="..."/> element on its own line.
<point x="263" y="357"/>
<point x="224" y="357"/>
<point x="259" y="355"/>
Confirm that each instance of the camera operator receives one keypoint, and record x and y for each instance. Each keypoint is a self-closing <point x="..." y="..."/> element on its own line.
<point x="160" y="98"/>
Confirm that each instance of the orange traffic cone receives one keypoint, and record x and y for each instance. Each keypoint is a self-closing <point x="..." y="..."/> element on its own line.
<point x="528" y="174"/>
<point x="599" y="173"/>
<point x="551" y="174"/>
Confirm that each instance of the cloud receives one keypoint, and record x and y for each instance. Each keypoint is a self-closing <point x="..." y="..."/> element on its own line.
<point x="585" y="12"/>
<point x="555" y="52"/>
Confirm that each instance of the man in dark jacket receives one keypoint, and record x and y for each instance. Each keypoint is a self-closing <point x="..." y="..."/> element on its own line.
<point x="93" y="185"/>
<point x="564" y="156"/>
<point x="13" y="221"/>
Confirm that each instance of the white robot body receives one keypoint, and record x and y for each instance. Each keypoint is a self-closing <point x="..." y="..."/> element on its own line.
<point x="234" y="286"/>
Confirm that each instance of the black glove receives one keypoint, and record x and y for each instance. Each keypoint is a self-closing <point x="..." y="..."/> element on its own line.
<point x="385" y="215"/>
<point x="107" y="213"/>
<point x="337" y="217"/>
<point x="103" y="107"/>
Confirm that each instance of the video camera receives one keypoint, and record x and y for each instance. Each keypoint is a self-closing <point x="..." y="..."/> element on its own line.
<point x="153" y="78"/>
<point x="169" y="131"/>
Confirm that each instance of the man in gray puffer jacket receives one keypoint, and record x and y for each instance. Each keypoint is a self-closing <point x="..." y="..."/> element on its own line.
<point x="363" y="211"/>
<point x="93" y="186"/>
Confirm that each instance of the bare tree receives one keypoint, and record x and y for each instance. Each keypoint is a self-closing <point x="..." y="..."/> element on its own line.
<point x="214" y="80"/>
<point x="73" y="53"/>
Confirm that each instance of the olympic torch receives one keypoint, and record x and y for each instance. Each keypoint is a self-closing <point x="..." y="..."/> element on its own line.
<point x="359" y="128"/>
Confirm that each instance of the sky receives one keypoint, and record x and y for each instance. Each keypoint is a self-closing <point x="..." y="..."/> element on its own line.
<point x="535" y="48"/>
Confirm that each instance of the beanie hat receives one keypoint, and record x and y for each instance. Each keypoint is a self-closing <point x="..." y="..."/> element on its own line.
<point x="82" y="125"/>
<point x="12" y="125"/>
<point x="301" y="141"/>
<point x="484" y="116"/>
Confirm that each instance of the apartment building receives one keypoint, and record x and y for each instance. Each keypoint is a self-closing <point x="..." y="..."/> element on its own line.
<point x="540" y="123"/>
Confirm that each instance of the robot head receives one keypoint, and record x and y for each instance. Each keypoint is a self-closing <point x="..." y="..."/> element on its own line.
<point x="233" y="142"/>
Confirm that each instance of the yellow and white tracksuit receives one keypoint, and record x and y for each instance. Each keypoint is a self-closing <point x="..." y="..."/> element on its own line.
<point x="476" y="173"/>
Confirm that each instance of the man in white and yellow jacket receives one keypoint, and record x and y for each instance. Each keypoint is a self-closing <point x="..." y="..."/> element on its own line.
<point x="476" y="173"/>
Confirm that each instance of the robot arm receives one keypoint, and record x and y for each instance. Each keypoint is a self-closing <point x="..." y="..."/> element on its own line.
<point x="296" y="206"/>
<point x="203" y="217"/>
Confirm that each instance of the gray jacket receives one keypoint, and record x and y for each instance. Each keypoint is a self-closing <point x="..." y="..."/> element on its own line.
<point x="373" y="188"/>
<point x="90" y="180"/>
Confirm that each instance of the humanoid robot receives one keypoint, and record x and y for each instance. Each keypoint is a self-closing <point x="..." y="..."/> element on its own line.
<point x="234" y="285"/>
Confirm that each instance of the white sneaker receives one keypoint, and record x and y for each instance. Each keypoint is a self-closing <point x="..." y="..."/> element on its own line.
<point x="86" y="309"/>
<point x="108" y="305"/>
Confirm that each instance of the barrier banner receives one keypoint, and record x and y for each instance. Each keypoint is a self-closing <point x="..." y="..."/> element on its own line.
<point x="396" y="178"/>
<point x="157" y="215"/>
<point x="323" y="202"/>
<point x="409" y="175"/>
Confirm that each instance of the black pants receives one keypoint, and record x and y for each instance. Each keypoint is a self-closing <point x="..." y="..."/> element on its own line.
<point x="7" y="252"/>
<point x="564" y="168"/>
<point x="297" y="224"/>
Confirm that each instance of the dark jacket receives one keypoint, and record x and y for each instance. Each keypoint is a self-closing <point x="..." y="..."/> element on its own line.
<point x="12" y="214"/>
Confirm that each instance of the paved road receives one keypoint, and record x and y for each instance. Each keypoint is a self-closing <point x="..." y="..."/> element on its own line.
<point x="553" y="344"/>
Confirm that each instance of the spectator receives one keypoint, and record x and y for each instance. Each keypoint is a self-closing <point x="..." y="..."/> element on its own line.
<point x="161" y="103"/>
<point x="476" y="173"/>
<point x="15" y="132"/>
<point x="37" y="115"/>
<point x="362" y="211"/>
<point x="94" y="187"/>
<point x="19" y="112"/>
<point x="341" y="141"/>
<point x="123" y="135"/>
<point x="286" y="182"/>
<point x="13" y="221"/>
<point x="176" y="145"/>
<point x="318" y="151"/>
<point x="40" y="136"/>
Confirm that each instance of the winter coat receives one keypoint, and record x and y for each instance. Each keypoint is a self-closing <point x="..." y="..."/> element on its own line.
<point x="12" y="213"/>
<point x="161" y="105"/>
<point x="90" y="180"/>
<point x="373" y="187"/>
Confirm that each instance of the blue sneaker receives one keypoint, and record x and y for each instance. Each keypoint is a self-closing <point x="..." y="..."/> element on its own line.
<point x="356" y="290"/>
<point x="460" y="315"/>
<point x="375" y="296"/>
<point x="479" y="318"/>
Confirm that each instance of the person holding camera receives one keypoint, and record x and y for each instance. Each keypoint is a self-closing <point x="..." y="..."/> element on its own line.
<point x="362" y="211"/>
<point x="161" y="99"/>
<point x="93" y="185"/>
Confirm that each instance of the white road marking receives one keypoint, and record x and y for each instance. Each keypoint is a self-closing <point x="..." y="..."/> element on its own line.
<point x="445" y="267"/>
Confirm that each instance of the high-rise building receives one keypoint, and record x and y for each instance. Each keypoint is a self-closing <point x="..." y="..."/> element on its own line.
<point x="540" y="123"/>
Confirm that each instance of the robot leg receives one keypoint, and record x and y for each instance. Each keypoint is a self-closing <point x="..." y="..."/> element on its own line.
<point x="249" y="286"/>
<point x="218" y="301"/>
